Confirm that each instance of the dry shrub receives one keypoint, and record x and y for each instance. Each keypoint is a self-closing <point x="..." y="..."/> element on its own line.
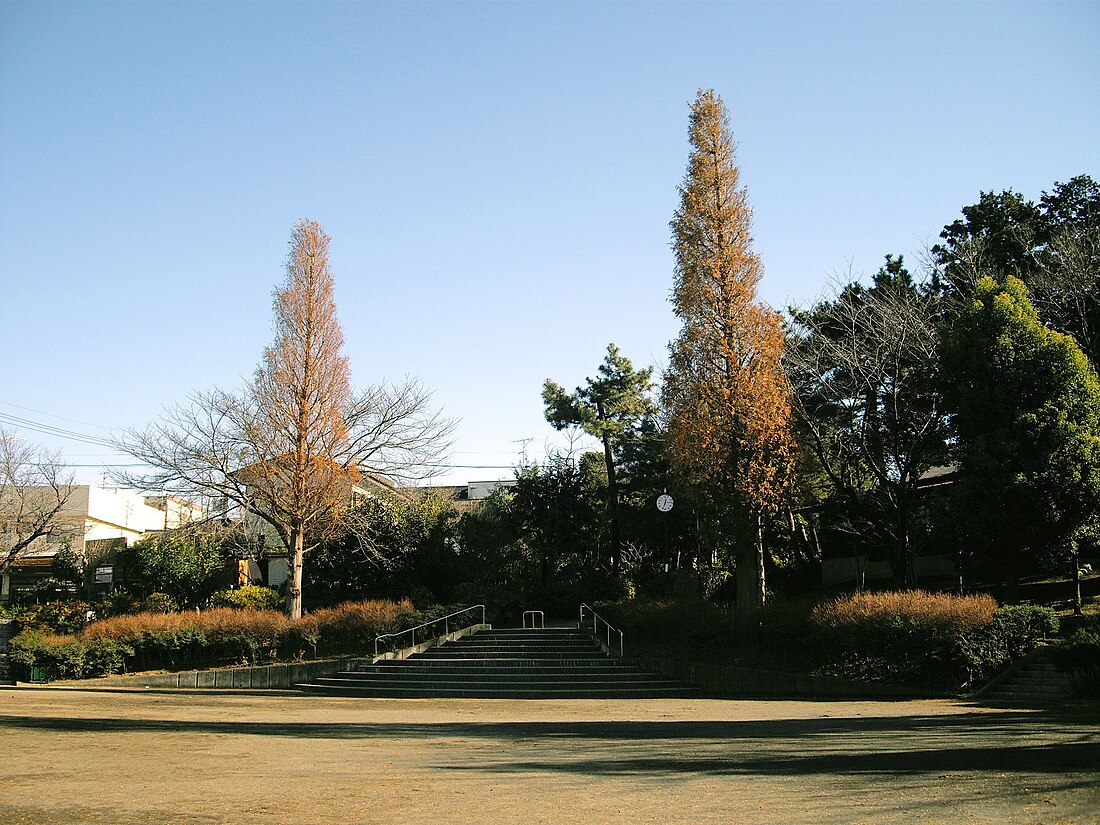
<point x="942" y="611"/>
<point x="909" y="636"/>
<point x="225" y="634"/>
<point x="216" y="636"/>
<point x="350" y="626"/>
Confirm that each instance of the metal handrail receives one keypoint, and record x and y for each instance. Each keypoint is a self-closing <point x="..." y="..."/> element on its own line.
<point x="533" y="614"/>
<point x="597" y="619"/>
<point x="446" y="627"/>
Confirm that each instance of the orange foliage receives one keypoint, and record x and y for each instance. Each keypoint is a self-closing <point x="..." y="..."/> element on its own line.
<point x="958" y="614"/>
<point x="728" y="397"/>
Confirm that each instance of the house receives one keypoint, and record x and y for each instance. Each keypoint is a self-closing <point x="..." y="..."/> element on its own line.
<point x="95" y="520"/>
<point x="463" y="496"/>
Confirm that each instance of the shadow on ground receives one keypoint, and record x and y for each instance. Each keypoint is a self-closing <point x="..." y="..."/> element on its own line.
<point x="1052" y="741"/>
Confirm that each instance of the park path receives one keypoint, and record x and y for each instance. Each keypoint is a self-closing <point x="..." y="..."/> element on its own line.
<point x="102" y="756"/>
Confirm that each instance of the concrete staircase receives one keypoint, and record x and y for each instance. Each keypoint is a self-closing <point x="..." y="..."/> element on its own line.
<point x="5" y="663"/>
<point x="1036" y="680"/>
<point x="554" y="663"/>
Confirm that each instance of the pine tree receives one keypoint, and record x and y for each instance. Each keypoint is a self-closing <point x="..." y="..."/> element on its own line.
<point x="725" y="393"/>
<point x="609" y="408"/>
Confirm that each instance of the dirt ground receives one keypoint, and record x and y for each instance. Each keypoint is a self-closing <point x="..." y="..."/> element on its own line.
<point x="114" y="756"/>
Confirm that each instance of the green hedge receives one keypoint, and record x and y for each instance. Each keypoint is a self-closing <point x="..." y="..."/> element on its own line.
<point x="931" y="640"/>
<point x="67" y="657"/>
<point x="1079" y="655"/>
<point x="248" y="597"/>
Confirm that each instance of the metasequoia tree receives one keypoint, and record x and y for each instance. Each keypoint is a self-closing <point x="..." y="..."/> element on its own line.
<point x="608" y="407"/>
<point x="863" y="366"/>
<point x="34" y="489"/>
<point x="725" y="392"/>
<point x="291" y="446"/>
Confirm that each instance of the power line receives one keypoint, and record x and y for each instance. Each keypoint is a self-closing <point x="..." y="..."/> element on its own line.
<point x="49" y="429"/>
<point x="73" y="435"/>
<point x="58" y="417"/>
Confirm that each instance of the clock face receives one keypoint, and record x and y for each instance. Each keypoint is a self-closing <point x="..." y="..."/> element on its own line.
<point x="664" y="503"/>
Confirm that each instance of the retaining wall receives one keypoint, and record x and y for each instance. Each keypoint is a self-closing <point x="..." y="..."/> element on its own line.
<point x="249" y="677"/>
<point x="727" y="681"/>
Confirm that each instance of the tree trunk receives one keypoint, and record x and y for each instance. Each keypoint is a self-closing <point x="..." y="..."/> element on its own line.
<point x="1076" y="562"/>
<point x="906" y="559"/>
<point x="750" y="583"/>
<point x="750" y="571"/>
<point x="613" y="505"/>
<point x="294" y="582"/>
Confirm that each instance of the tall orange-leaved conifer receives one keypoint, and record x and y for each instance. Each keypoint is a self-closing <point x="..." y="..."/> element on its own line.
<point x="302" y="391"/>
<point x="725" y="393"/>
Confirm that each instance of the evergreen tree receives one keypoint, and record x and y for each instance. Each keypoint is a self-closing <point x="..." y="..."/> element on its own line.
<point x="609" y="407"/>
<point x="1026" y="406"/>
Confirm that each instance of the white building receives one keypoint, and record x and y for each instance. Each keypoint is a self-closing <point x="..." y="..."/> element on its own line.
<point x="92" y="515"/>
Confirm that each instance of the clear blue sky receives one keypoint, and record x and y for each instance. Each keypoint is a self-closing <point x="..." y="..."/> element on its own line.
<point x="497" y="179"/>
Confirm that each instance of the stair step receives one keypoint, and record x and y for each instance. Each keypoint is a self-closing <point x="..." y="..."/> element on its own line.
<point x="505" y="663"/>
<point x="496" y="678"/>
<point x="477" y="692"/>
<point x="529" y="670"/>
<point x="521" y="684"/>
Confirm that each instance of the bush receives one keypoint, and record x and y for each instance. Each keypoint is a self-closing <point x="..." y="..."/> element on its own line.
<point x="220" y="635"/>
<point x="55" y="617"/>
<point x="908" y="636"/>
<point x="1022" y="625"/>
<point x="1014" y="631"/>
<point x="117" y="602"/>
<point x="177" y="640"/>
<point x="1079" y="655"/>
<point x="934" y="640"/>
<point x="67" y="657"/>
<point x="159" y="603"/>
<point x="663" y="624"/>
<point x="248" y="597"/>
<point x="349" y="627"/>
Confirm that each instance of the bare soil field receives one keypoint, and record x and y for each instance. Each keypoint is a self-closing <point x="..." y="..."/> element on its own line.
<point x="119" y="756"/>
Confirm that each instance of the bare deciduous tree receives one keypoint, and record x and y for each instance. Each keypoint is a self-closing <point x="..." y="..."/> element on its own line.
<point x="35" y="487"/>
<point x="862" y="365"/>
<point x="292" y="445"/>
<point x="1066" y="287"/>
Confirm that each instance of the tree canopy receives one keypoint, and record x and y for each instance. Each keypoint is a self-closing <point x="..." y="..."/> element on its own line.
<point x="289" y="447"/>
<point x="1026" y="406"/>
<point x="609" y="407"/>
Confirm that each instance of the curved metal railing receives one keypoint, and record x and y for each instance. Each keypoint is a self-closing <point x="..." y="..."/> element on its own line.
<point x="535" y="615"/>
<point x="600" y="627"/>
<point x="410" y="634"/>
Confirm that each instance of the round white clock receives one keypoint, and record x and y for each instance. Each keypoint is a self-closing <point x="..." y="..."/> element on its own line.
<point x="664" y="502"/>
